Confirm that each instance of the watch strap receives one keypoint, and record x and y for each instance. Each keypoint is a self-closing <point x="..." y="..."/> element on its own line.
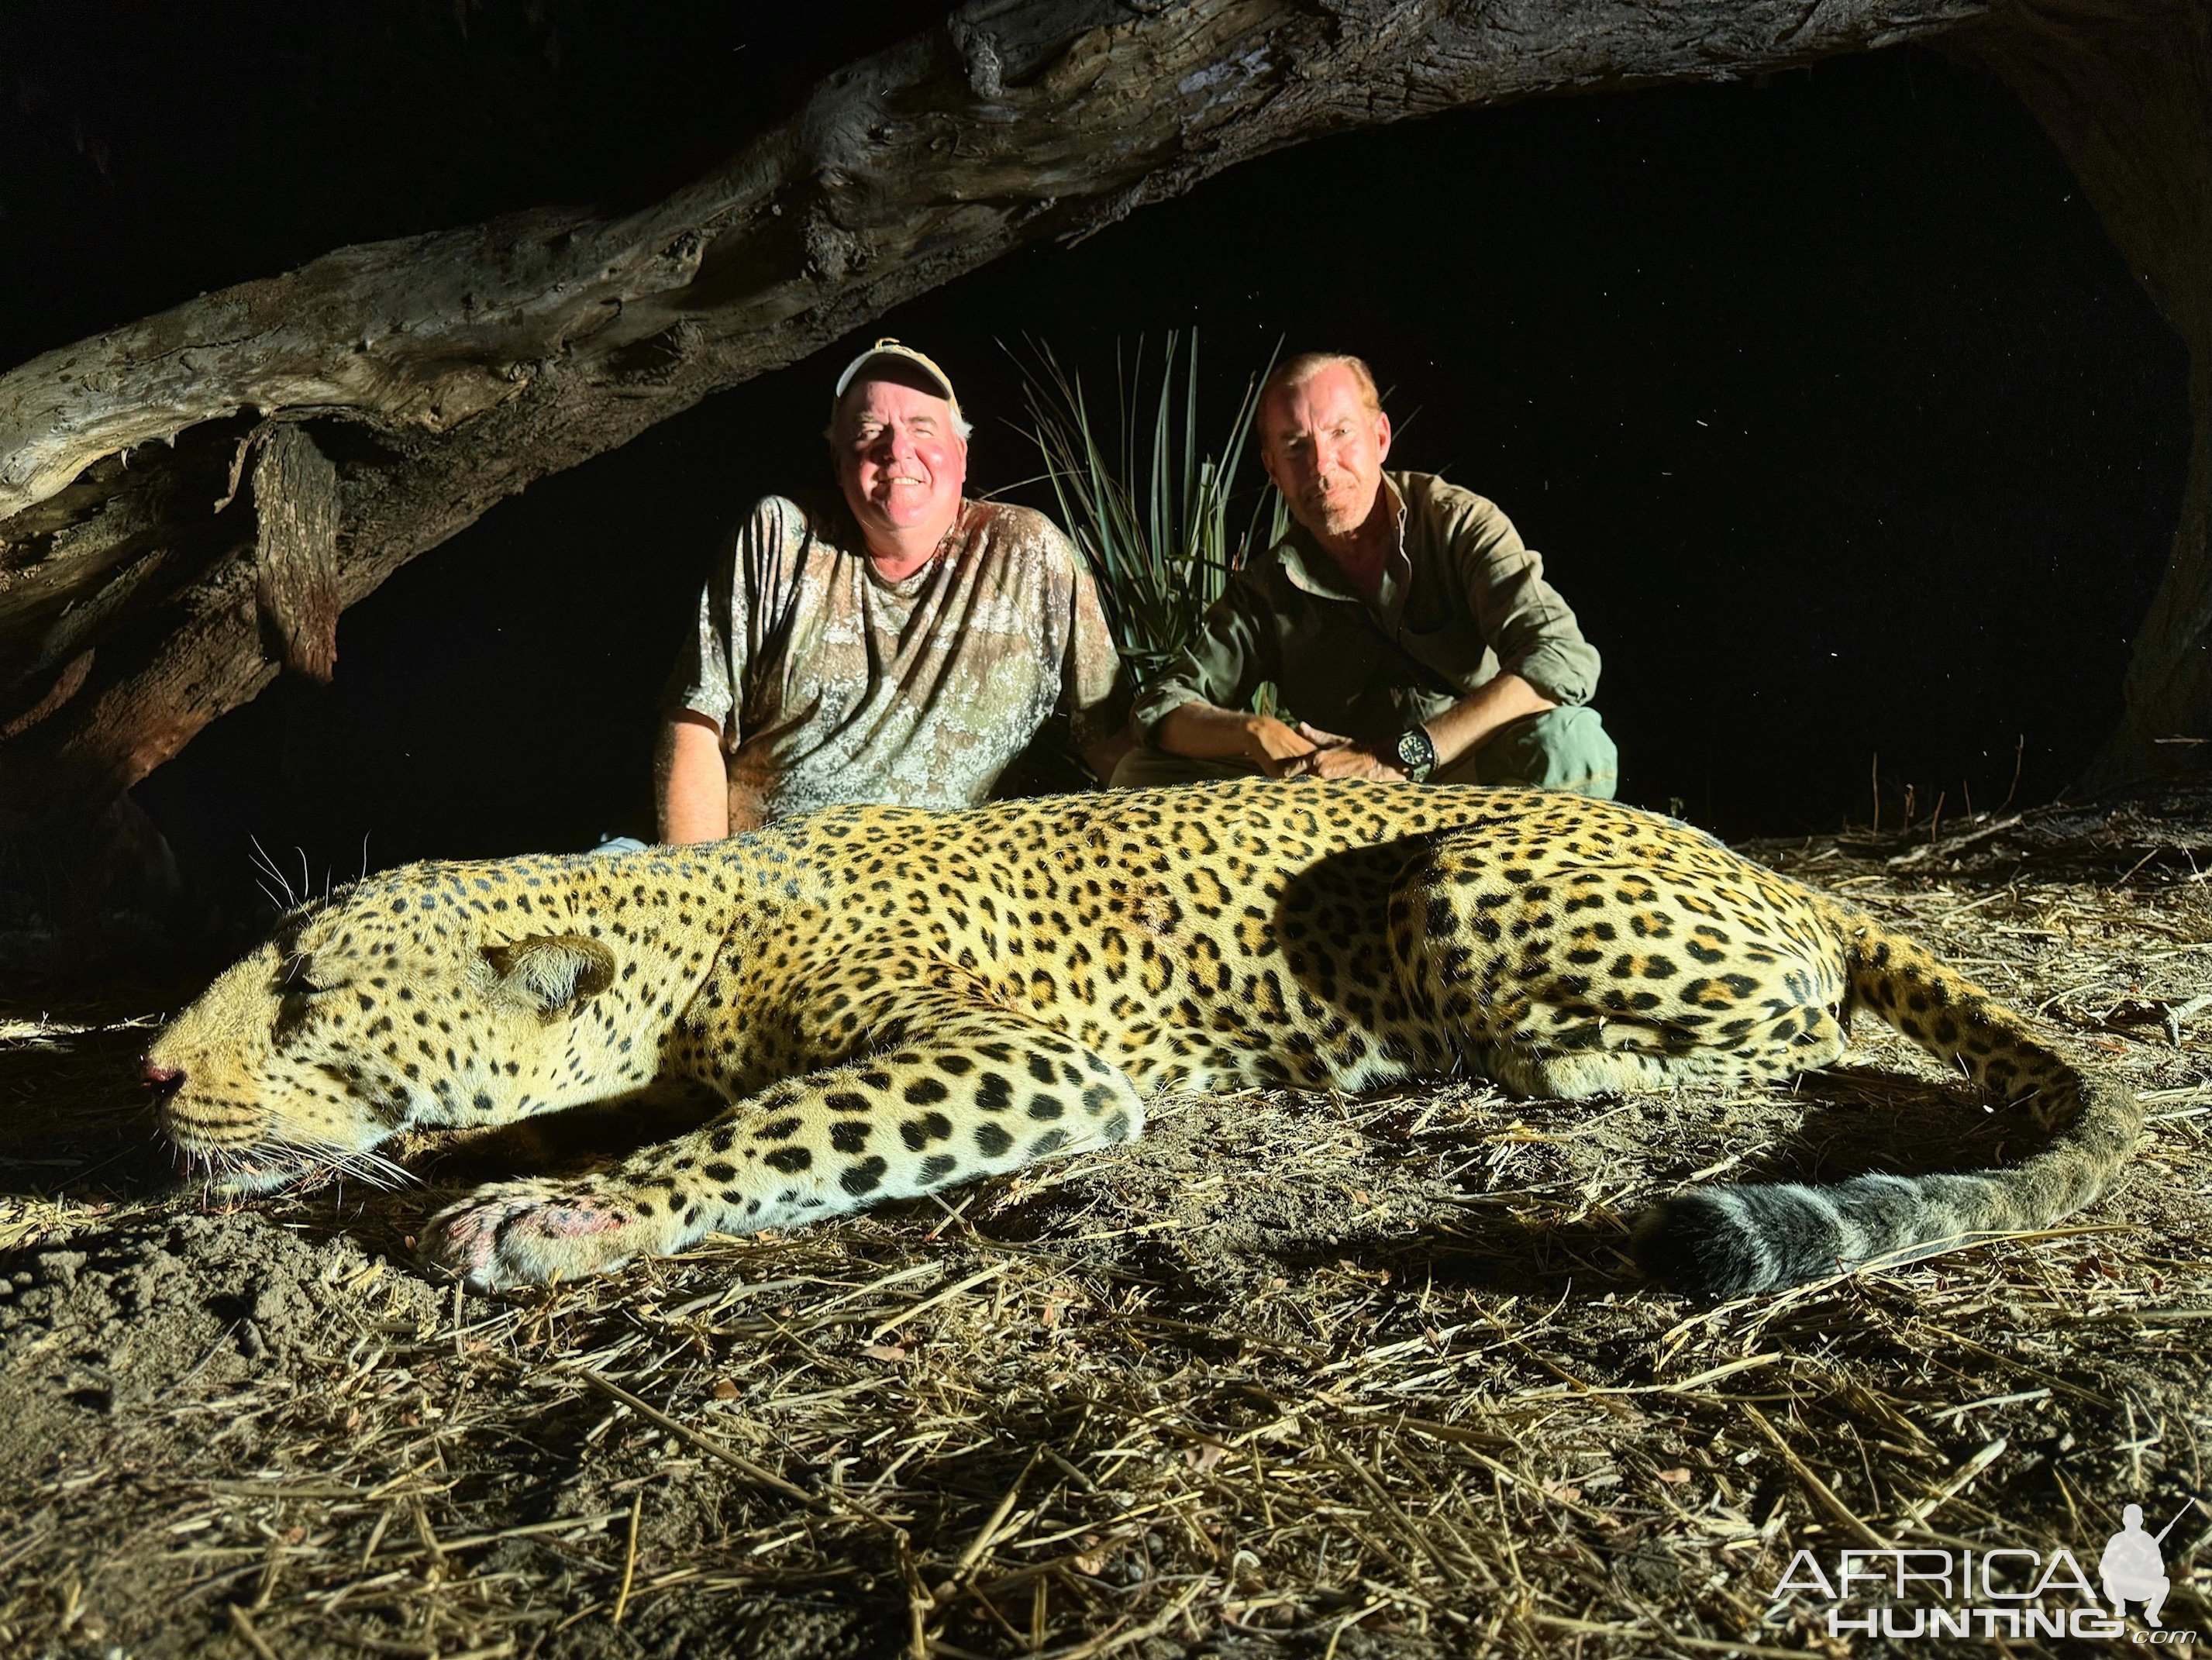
<point x="1417" y="753"/>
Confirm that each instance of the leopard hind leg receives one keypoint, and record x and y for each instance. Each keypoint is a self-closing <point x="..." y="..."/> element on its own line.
<point x="1573" y="1059"/>
<point x="1567" y="980"/>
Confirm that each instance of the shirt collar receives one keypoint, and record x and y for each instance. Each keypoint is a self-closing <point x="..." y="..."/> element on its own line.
<point x="948" y="550"/>
<point x="1309" y="567"/>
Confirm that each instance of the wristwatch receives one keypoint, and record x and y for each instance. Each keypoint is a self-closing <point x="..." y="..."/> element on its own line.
<point x="1417" y="753"/>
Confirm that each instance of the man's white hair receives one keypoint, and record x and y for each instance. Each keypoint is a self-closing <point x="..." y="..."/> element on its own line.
<point x="962" y="427"/>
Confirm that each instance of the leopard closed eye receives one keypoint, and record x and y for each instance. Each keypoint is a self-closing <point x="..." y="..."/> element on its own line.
<point x="893" y="1001"/>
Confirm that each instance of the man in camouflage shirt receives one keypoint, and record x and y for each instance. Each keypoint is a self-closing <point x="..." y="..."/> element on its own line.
<point x="897" y="643"/>
<point x="1404" y="627"/>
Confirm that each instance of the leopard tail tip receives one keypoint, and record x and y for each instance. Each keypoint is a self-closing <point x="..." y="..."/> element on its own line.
<point x="1730" y="1242"/>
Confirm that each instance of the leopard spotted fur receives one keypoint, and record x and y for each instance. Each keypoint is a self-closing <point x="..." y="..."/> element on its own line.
<point x="894" y="1001"/>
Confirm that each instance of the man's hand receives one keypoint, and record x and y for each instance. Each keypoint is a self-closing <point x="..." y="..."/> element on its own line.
<point x="1279" y="750"/>
<point x="1103" y="758"/>
<point x="1336" y="757"/>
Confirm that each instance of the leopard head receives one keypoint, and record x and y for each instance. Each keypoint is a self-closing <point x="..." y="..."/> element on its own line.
<point x="432" y="995"/>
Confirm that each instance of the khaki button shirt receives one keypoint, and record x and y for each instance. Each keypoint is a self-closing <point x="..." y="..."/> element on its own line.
<point x="1462" y="600"/>
<point x="832" y="685"/>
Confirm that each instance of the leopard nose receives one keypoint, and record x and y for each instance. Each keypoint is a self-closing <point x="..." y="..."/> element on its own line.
<point x="162" y="1082"/>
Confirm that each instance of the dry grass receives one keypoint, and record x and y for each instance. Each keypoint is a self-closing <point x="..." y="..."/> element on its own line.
<point x="1307" y="1377"/>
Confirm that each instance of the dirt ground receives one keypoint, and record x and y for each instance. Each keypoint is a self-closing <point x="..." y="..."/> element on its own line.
<point x="1297" y="1376"/>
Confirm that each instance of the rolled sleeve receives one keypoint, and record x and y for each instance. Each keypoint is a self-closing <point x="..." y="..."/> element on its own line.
<point x="1222" y="665"/>
<point x="1532" y="630"/>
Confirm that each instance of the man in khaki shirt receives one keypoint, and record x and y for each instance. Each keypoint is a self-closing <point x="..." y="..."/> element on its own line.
<point x="893" y="642"/>
<point x="1407" y="630"/>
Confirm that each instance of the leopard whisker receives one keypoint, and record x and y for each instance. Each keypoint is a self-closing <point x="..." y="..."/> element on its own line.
<point x="373" y="1169"/>
<point x="322" y="1162"/>
<point x="262" y="862"/>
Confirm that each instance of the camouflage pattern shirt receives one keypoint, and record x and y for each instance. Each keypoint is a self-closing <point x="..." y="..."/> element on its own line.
<point x="832" y="685"/>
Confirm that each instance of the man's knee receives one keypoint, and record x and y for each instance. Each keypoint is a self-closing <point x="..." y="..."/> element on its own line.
<point x="1144" y="768"/>
<point x="1561" y="749"/>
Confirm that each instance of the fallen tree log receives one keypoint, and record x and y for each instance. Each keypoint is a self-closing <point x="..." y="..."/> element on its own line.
<point x="438" y="375"/>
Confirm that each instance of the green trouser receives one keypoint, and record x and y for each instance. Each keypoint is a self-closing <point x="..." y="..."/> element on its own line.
<point x="1561" y="749"/>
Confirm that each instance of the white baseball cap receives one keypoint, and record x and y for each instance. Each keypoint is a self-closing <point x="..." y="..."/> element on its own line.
<point x="889" y="348"/>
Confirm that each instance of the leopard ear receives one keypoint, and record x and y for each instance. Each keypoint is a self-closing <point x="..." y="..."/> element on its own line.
<point x="553" y="973"/>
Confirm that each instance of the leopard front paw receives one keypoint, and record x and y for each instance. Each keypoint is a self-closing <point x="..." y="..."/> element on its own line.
<point x="523" y="1233"/>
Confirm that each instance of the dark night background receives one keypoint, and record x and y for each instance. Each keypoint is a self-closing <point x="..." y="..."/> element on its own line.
<point x="1840" y="422"/>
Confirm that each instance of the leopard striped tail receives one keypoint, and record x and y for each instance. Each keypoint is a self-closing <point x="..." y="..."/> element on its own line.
<point x="1724" y="1242"/>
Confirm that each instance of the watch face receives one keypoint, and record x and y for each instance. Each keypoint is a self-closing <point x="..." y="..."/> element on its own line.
<point x="1416" y="750"/>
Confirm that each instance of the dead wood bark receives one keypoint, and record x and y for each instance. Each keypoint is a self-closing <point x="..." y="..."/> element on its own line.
<point x="2125" y="88"/>
<point x="442" y="373"/>
<point x="296" y="504"/>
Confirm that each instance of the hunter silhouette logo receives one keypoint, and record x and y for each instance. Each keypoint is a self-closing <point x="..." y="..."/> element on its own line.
<point x="2000" y="1592"/>
<point x="2134" y="1569"/>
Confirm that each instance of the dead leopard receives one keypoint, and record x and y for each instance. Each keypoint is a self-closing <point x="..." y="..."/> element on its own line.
<point x="894" y="1001"/>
